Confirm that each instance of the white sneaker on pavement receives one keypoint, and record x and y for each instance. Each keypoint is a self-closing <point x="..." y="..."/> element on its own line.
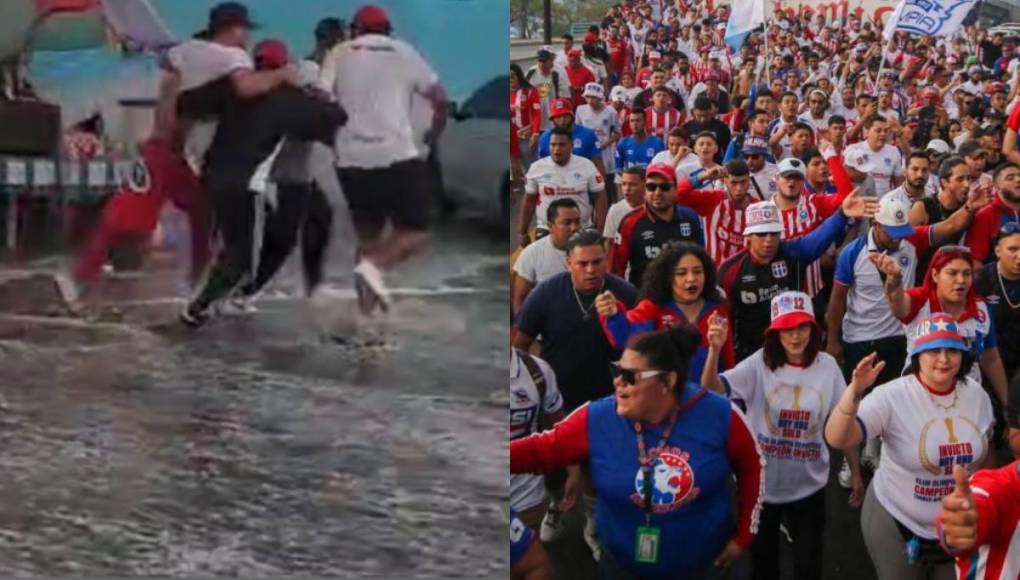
<point x="69" y="291"/>
<point x="238" y="306"/>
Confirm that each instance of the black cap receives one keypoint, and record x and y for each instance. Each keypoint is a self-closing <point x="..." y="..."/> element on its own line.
<point x="228" y="15"/>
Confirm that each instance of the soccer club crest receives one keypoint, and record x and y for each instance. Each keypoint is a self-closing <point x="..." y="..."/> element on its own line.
<point x="650" y="152"/>
<point x="138" y="178"/>
<point x="672" y="482"/>
<point x="685" y="230"/>
<point x="779" y="269"/>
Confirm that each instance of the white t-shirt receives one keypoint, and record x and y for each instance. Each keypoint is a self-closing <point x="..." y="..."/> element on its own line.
<point x="787" y="409"/>
<point x="546" y="91"/>
<point x="628" y="94"/>
<point x="527" y="489"/>
<point x="540" y="261"/>
<point x="198" y="62"/>
<point x="887" y="162"/>
<point x="604" y="123"/>
<point x="921" y="441"/>
<point x="374" y="78"/>
<point x="575" y="180"/>
<point x="666" y="157"/>
<point x="614" y="216"/>
<point x="820" y="125"/>
<point x="765" y="180"/>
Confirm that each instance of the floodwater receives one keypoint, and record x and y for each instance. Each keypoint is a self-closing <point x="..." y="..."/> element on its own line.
<point x="256" y="446"/>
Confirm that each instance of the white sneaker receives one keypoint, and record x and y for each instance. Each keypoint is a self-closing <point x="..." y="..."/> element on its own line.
<point x="845" y="476"/>
<point x="591" y="535"/>
<point x="69" y="292"/>
<point x="552" y="526"/>
<point x="369" y="278"/>
<point x="237" y="306"/>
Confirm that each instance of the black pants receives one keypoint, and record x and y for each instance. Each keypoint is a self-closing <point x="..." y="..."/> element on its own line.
<point x="891" y="349"/>
<point x="805" y="520"/>
<point x="301" y="209"/>
<point x="234" y="210"/>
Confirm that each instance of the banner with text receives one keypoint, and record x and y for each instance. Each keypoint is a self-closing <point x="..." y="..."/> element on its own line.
<point x="874" y="10"/>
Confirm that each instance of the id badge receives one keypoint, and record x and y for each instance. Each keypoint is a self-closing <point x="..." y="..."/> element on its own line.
<point x="647" y="549"/>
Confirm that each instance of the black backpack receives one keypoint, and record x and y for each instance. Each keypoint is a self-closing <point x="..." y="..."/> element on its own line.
<point x="537" y="376"/>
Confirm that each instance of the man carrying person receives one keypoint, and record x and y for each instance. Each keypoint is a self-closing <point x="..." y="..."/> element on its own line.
<point x="249" y="131"/>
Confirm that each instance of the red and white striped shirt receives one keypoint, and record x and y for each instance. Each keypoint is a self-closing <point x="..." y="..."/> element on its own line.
<point x="687" y="80"/>
<point x="997" y="501"/>
<point x="798" y="222"/>
<point x="723" y="220"/>
<point x="526" y="110"/>
<point x="660" y="123"/>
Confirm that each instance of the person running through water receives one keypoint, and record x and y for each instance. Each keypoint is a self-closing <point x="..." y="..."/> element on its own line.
<point x="376" y="78"/>
<point x="162" y="171"/>
<point x="249" y="132"/>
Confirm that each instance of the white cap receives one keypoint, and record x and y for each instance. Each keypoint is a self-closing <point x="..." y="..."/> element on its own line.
<point x="791" y="165"/>
<point x="938" y="146"/>
<point x="654" y="54"/>
<point x="892" y="214"/>
<point x="762" y="218"/>
<point x="618" y="94"/>
<point x="594" y="90"/>
<point x="791" y="309"/>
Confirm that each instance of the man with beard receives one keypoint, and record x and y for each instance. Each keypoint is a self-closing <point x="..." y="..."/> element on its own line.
<point x="769" y="266"/>
<point x="955" y="179"/>
<point x="916" y="178"/>
<point x="645" y="231"/>
<point x="1004" y="209"/>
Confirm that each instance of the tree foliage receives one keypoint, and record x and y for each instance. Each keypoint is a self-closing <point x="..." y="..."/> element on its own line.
<point x="526" y="15"/>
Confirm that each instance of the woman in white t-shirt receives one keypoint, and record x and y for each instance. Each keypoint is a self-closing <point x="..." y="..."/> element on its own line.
<point x="788" y="388"/>
<point x="929" y="421"/>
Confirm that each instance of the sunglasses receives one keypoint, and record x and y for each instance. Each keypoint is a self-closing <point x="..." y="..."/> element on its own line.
<point x="631" y="376"/>
<point x="652" y="186"/>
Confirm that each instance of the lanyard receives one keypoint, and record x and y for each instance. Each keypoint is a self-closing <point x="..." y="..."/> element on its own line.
<point x="646" y="459"/>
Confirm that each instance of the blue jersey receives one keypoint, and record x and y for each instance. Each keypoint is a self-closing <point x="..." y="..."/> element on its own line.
<point x="633" y="153"/>
<point x="586" y="143"/>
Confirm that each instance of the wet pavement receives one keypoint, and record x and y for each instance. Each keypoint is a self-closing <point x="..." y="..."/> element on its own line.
<point x="258" y="445"/>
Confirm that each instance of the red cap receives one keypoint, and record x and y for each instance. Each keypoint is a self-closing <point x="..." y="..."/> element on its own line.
<point x="663" y="170"/>
<point x="271" y="53"/>
<point x="574" y="52"/>
<point x="371" y="18"/>
<point x="560" y="107"/>
<point x="997" y="88"/>
<point x="590" y="38"/>
<point x="931" y="92"/>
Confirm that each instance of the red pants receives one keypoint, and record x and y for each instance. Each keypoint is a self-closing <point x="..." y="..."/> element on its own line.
<point x="131" y="215"/>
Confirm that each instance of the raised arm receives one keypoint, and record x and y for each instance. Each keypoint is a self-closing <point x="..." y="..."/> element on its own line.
<point x="842" y="429"/>
<point x="895" y="295"/>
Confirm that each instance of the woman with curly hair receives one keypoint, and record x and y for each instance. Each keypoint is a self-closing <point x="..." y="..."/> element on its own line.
<point x="678" y="287"/>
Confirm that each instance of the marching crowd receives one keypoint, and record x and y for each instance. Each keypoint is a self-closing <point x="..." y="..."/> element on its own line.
<point x="736" y="258"/>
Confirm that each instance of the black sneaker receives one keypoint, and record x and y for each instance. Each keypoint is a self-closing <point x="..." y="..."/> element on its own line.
<point x="193" y="318"/>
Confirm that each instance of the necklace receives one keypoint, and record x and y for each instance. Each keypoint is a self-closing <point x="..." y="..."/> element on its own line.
<point x="951" y="406"/>
<point x="1005" y="295"/>
<point x="586" y="312"/>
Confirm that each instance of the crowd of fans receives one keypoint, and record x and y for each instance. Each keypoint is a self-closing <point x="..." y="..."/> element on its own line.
<point x="733" y="260"/>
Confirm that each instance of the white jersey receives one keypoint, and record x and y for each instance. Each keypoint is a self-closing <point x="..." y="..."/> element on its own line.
<point x="666" y="157"/>
<point x="527" y="489"/>
<point x="605" y="123"/>
<point x="374" y="78"/>
<point x="628" y="94"/>
<point x="763" y="182"/>
<point x="787" y="409"/>
<point x="614" y="216"/>
<point x="198" y="62"/>
<point x="540" y="261"/>
<point x="575" y="181"/>
<point x="923" y="436"/>
<point x="819" y="125"/>
<point x="887" y="163"/>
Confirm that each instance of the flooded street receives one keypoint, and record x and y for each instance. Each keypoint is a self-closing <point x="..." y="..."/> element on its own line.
<point x="257" y="445"/>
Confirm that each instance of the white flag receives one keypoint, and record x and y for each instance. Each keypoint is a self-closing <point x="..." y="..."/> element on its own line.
<point x="743" y="21"/>
<point x="928" y="17"/>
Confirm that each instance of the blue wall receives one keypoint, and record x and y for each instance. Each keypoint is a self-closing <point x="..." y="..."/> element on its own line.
<point x="464" y="40"/>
